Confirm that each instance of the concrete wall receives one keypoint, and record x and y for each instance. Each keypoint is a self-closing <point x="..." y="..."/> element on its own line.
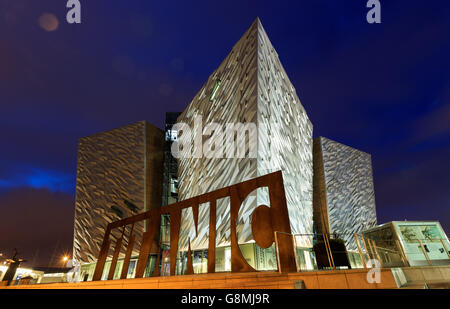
<point x="417" y="277"/>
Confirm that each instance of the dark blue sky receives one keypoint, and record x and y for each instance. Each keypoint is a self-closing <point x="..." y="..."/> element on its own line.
<point x="381" y="88"/>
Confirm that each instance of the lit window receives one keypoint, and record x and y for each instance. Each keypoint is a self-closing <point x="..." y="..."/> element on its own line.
<point x="171" y="135"/>
<point x="214" y="91"/>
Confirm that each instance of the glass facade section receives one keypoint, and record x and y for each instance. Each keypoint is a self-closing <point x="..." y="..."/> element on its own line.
<point x="409" y="243"/>
<point x="424" y="243"/>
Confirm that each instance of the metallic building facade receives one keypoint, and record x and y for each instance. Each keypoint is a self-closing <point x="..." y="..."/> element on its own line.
<point x="251" y="86"/>
<point x="113" y="166"/>
<point x="344" y="197"/>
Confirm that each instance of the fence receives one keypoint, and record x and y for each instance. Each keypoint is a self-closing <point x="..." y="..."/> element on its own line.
<point x="330" y="251"/>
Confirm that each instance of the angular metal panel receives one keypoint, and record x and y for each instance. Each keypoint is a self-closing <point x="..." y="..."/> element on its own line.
<point x="348" y="201"/>
<point x="124" y="163"/>
<point x="284" y="138"/>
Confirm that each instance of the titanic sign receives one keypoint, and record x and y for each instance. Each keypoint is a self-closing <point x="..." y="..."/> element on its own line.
<point x="265" y="222"/>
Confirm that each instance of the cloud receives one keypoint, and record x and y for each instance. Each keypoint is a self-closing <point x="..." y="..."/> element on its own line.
<point x="33" y="177"/>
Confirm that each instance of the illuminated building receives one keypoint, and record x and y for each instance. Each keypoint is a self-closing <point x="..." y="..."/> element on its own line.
<point x="344" y="197"/>
<point x="119" y="173"/>
<point x="250" y="86"/>
<point x="22" y="272"/>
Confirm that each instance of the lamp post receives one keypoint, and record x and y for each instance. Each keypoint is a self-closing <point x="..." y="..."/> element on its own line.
<point x="2" y="262"/>
<point x="64" y="260"/>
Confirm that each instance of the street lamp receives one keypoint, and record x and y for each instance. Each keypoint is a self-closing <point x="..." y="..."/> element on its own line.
<point x="65" y="259"/>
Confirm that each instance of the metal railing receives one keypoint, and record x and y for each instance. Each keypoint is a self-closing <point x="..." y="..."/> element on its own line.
<point x="389" y="252"/>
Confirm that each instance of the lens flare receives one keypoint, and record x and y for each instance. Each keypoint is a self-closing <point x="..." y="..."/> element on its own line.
<point x="48" y="22"/>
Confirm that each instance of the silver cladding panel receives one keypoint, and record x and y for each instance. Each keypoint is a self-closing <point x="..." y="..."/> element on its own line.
<point x="254" y="88"/>
<point x="285" y="138"/>
<point x="110" y="169"/>
<point x="349" y="190"/>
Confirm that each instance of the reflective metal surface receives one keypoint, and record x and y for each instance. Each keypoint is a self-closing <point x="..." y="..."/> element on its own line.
<point x="253" y="88"/>
<point x="343" y="190"/>
<point x="113" y="166"/>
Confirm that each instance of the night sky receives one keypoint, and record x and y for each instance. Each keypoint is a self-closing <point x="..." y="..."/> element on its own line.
<point x="381" y="88"/>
